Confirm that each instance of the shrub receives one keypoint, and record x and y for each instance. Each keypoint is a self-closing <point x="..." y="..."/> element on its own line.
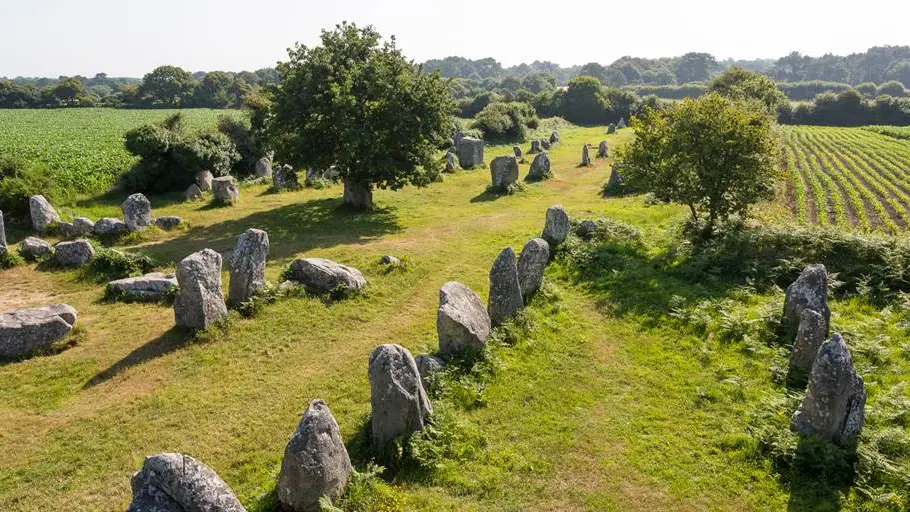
<point x="506" y="121"/>
<point x="892" y="88"/>
<point x="20" y="180"/>
<point x="246" y="142"/>
<point x="111" y="264"/>
<point x="866" y="89"/>
<point x="10" y="259"/>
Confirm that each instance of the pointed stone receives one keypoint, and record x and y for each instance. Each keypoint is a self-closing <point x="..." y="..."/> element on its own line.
<point x="248" y="266"/>
<point x="42" y="213"/>
<point x="399" y="403"/>
<point x="556" y="227"/>
<point x="505" y="291"/>
<point x="199" y="302"/>
<point x="462" y="322"/>
<point x="531" y="265"/>
<point x="176" y="482"/>
<point x="809" y="291"/>
<point x="809" y="337"/>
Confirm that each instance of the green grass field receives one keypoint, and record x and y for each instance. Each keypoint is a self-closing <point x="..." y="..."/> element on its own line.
<point x="633" y="387"/>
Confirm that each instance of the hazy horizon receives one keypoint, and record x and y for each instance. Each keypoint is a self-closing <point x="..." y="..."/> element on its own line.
<point x="124" y="39"/>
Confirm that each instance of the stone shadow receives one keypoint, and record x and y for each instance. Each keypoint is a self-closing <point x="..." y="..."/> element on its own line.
<point x="173" y="339"/>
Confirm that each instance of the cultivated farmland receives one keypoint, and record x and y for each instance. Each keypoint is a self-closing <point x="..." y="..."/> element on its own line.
<point x="848" y="177"/>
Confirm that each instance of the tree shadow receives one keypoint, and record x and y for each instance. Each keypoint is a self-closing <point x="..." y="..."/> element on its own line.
<point x="173" y="339"/>
<point x="115" y="197"/>
<point x="292" y="229"/>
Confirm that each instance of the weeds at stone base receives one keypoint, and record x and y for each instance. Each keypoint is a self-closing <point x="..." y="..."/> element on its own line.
<point x="10" y="259"/>
<point x="508" y="190"/>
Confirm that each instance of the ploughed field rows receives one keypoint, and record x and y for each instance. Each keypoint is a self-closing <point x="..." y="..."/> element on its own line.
<point x="848" y="177"/>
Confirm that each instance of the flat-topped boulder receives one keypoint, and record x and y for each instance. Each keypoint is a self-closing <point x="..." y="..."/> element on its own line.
<point x="74" y="254"/>
<point x="199" y="302"/>
<point x="83" y="226"/>
<point x="35" y="248"/>
<point x="325" y="276"/>
<point x="462" y="321"/>
<point x="149" y="287"/>
<point x="26" y="332"/>
<point x="109" y="226"/>
<point x="286" y="178"/>
<point x="137" y="212"/>
<point x="225" y="189"/>
<point x="168" y="222"/>
<point x="42" y="213"/>
<point x="173" y="482"/>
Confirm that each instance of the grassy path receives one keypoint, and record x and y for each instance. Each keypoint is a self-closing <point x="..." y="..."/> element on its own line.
<point x="590" y="413"/>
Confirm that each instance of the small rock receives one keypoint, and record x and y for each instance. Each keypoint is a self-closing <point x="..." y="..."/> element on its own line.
<point x="503" y="171"/>
<point x="193" y="192"/>
<point x="546" y="145"/>
<point x="109" y="226"/>
<point x="505" y="291"/>
<point x="225" y="190"/>
<point x="810" y="290"/>
<point x="150" y="287"/>
<point x="611" y="129"/>
<point x="74" y="254"/>
<point x="168" y="222"/>
<point x="388" y="259"/>
<point x="835" y="397"/>
<point x="83" y="226"/>
<point x="137" y="212"/>
<point x="42" y="213"/>
<point x="173" y="482"/>
<point x="470" y="153"/>
<point x="540" y="167"/>
<point x="248" y="266"/>
<point x="199" y="301"/>
<point x="36" y="248"/>
<point x="517" y="151"/>
<point x="204" y="181"/>
<point x="602" y="149"/>
<point x="554" y="137"/>
<point x="315" y="463"/>
<point x="428" y="365"/>
<point x="289" y="285"/>
<point x="286" y="178"/>
<point x="325" y="276"/>
<point x="399" y="403"/>
<point x="531" y="265"/>
<point x="557" y="226"/>
<point x="65" y="229"/>
<point x="28" y="331"/>
<point x="462" y="322"/>
<point x="586" y="229"/>
<point x="535" y="146"/>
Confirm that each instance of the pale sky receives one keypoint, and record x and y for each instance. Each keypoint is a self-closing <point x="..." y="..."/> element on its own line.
<point x="129" y="38"/>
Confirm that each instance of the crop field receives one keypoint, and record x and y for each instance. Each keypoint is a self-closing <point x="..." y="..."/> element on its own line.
<point x="83" y="148"/>
<point x="848" y="177"/>
<point x="898" y="132"/>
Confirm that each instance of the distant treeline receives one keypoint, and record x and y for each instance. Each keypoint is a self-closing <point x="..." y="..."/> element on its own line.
<point x="795" y="91"/>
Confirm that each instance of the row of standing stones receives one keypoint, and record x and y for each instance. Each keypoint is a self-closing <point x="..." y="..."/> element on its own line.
<point x="226" y="189"/>
<point x="316" y="463"/>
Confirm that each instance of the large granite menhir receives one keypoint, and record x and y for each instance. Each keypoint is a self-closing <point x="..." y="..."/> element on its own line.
<point x="173" y="482"/>
<point x="199" y="302"/>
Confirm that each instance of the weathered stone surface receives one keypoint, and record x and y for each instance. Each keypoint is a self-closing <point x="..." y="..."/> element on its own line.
<point x="315" y="463"/>
<point x="399" y="403"/>
<point x="74" y="254"/>
<point x="450" y="161"/>
<point x="65" y="229"/>
<point x="199" y="302"/>
<point x="137" y="212"/>
<point x="602" y="149"/>
<point x="616" y="179"/>
<point x="621" y="124"/>
<point x="531" y="264"/>
<point x="517" y="151"/>
<point x="152" y="286"/>
<point x="462" y="322"/>
<point x="540" y="167"/>
<point x="286" y="178"/>
<point x="470" y="153"/>
<point x="428" y="365"/>
<point x="42" y="213"/>
<point x="3" y="247"/>
<point x="27" y="331"/>
<point x="264" y="167"/>
<point x="554" y="137"/>
<point x="325" y="276"/>
<point x="176" y="482"/>
<point x="535" y="146"/>
<point x="192" y="192"/>
<point x="225" y="189"/>
<point x="36" y="248"/>
<point x="611" y="129"/>
<point x="358" y="195"/>
<point x="248" y="266"/>
<point x="810" y="290"/>
<point x="388" y="259"/>
<point x="557" y="226"/>
<point x="503" y="171"/>
<point x="109" y="226"/>
<point x="835" y="397"/>
<point x="83" y="226"/>
<point x="505" y="290"/>
<point x="168" y="222"/>
<point x="545" y="144"/>
<point x="586" y="229"/>
<point x="585" y="156"/>
<point x="457" y="138"/>
<point x="204" y="180"/>
<point x="812" y="331"/>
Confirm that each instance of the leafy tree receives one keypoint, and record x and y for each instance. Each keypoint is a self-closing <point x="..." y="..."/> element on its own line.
<point x="539" y="82"/>
<point x="594" y="69"/>
<point x="623" y="104"/>
<point x="71" y="92"/>
<point x="14" y="95"/>
<point x="892" y="88"/>
<point x="506" y="121"/>
<point x="739" y="84"/>
<point x="867" y="89"/>
<point x="360" y="105"/>
<point x="900" y="72"/>
<point x="585" y="101"/>
<point x="659" y="76"/>
<point x="168" y="86"/>
<point x="695" y="67"/>
<point x="713" y="154"/>
<point x="217" y="90"/>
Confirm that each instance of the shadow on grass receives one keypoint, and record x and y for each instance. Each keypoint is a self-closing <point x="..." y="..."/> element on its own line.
<point x="292" y="229"/>
<point x="486" y="196"/>
<point x="115" y="197"/>
<point x="820" y="475"/>
<point x="173" y="339"/>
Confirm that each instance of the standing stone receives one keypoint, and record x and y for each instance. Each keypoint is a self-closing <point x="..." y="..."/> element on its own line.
<point x="450" y="161"/>
<point x="109" y="226"/>
<point x="517" y="151"/>
<point x="531" y="264"/>
<point x="36" y="248"/>
<point x="461" y="320"/>
<point x="286" y="178"/>
<point x="168" y="222"/>
<point x="545" y="144"/>
<point x="505" y="290"/>
<point x="3" y="247"/>
<point x="83" y="226"/>
<point x="199" y="301"/>
<point x="586" y="229"/>
<point x="616" y="181"/>
<point x="325" y="276"/>
<point x="621" y="124"/>
<point x="248" y="266"/>
<point x="204" y="180"/>
<point x="557" y="226"/>
<point x="27" y="331"/>
<point x="585" y="156"/>
<point x="399" y="403"/>
<point x="602" y="149"/>
<point x="809" y="336"/>
<point x="835" y="397"/>
<point x="74" y="254"/>
<point x="540" y="167"/>
<point x="43" y="214"/>
<point x="428" y="365"/>
<point x="503" y="171"/>
<point x="554" y="137"/>
<point x="315" y="463"/>
<point x="470" y="153"/>
<point x="611" y="129"/>
<point x="535" y="146"/>
<point x="264" y="167"/>
<point x="225" y="189"/>
<point x="810" y="290"/>
<point x="137" y="212"/>
<point x="192" y="192"/>
<point x="173" y="482"/>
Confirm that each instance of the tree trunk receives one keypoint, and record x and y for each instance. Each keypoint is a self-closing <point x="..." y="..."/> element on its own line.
<point x="358" y="195"/>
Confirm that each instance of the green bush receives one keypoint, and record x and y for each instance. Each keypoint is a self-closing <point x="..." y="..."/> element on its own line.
<point x="506" y="121"/>
<point x="111" y="264"/>
<point x="20" y="180"/>
<point x="10" y="258"/>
